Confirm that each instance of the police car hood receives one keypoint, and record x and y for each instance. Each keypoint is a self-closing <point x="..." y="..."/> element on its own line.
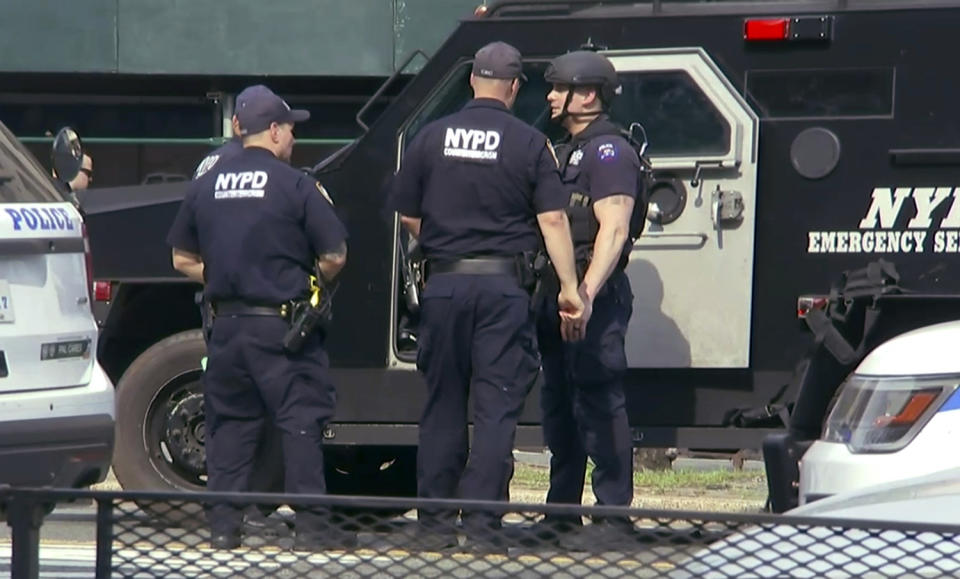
<point x="924" y="351"/>
<point x="128" y="228"/>
<point x="932" y="498"/>
<point x="844" y="549"/>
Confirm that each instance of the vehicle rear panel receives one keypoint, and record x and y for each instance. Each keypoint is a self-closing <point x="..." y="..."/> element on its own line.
<point x="47" y="333"/>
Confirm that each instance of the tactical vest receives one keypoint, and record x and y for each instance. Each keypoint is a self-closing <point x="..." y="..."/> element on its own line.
<point x="583" y="222"/>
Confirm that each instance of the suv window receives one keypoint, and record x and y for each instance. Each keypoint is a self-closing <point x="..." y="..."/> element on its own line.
<point x="679" y="119"/>
<point x="22" y="180"/>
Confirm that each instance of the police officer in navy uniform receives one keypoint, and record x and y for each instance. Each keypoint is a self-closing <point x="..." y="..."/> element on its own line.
<point x="253" y="230"/>
<point x="584" y="409"/>
<point x="472" y="187"/>
<point x="228" y="150"/>
<point x="267" y="474"/>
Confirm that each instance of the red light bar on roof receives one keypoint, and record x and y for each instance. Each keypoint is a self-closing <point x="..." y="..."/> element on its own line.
<point x="756" y="29"/>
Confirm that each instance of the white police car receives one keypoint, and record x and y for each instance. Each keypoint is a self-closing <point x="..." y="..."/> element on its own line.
<point x="896" y="416"/>
<point x="56" y="404"/>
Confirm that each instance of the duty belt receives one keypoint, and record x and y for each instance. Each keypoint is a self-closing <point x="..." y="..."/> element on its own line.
<point x="241" y="308"/>
<point x="473" y="266"/>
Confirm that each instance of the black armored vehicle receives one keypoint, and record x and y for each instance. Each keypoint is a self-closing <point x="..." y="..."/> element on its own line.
<point x="790" y="142"/>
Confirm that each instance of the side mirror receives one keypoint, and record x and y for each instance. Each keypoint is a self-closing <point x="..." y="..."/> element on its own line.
<point x="66" y="154"/>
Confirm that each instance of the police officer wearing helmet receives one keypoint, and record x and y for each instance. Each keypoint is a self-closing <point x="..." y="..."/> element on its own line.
<point x="253" y="229"/>
<point x="584" y="409"/>
<point x="472" y="187"/>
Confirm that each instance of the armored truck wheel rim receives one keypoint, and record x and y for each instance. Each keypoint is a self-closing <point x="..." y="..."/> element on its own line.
<point x="160" y="444"/>
<point x="173" y="431"/>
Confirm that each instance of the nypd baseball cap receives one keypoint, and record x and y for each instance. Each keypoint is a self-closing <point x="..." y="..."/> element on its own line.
<point x="257" y="106"/>
<point x="498" y="60"/>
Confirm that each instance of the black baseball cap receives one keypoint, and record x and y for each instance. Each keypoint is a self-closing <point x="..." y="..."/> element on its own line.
<point x="257" y="106"/>
<point x="498" y="60"/>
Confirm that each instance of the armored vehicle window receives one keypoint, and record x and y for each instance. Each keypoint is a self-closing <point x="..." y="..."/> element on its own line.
<point x="531" y="104"/>
<point x="680" y="120"/>
<point x="678" y="117"/>
<point x="21" y="178"/>
<point x="455" y="93"/>
<point x="785" y="94"/>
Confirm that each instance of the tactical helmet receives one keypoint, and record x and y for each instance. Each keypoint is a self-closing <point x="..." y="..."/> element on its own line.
<point x="585" y="68"/>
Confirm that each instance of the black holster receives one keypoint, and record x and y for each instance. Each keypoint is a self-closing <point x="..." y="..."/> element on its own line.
<point x="307" y="319"/>
<point x="206" y="315"/>
<point x="530" y="266"/>
<point x="304" y="322"/>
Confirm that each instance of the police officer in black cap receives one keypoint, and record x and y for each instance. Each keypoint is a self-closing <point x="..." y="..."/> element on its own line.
<point x="228" y="150"/>
<point x="472" y="187"/>
<point x="253" y="230"/>
<point x="267" y="474"/>
<point x="584" y="409"/>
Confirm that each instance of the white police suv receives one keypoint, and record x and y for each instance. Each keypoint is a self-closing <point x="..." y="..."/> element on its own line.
<point x="896" y="416"/>
<point x="56" y="404"/>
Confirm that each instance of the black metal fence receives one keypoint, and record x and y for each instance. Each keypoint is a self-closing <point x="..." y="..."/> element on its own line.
<point x="139" y="534"/>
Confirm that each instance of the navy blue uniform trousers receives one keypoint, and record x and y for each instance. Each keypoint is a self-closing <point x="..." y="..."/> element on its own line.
<point x="476" y="337"/>
<point x="249" y="375"/>
<point x="584" y="408"/>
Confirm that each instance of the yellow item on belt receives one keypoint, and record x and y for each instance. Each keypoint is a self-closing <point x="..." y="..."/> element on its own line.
<point x="314" y="291"/>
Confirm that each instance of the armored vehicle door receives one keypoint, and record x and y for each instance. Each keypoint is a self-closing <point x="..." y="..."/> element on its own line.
<point x="692" y="269"/>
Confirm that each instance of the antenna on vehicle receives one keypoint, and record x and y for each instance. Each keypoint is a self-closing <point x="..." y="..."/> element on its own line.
<point x="590" y="45"/>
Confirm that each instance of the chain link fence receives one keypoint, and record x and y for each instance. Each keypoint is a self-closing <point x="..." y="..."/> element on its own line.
<point x="152" y="535"/>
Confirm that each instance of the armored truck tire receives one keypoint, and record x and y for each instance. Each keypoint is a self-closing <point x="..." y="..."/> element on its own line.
<point x="160" y="438"/>
<point x="160" y="427"/>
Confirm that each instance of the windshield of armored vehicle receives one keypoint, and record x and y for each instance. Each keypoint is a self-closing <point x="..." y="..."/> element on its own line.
<point x="679" y="119"/>
<point x="22" y="179"/>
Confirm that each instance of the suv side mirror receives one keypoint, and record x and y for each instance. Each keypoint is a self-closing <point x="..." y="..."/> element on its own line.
<point x="66" y="154"/>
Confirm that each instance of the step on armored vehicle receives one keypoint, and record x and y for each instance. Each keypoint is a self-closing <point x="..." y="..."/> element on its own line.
<point x="790" y="142"/>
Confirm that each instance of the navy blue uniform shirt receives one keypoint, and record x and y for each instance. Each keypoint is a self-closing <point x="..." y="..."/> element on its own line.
<point x="228" y="150"/>
<point x="477" y="179"/>
<point x="259" y="225"/>
<point x="601" y="163"/>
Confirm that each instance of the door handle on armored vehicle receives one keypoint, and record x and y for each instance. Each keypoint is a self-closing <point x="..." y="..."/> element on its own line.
<point x="698" y="168"/>
<point x="726" y="207"/>
<point x="663" y="239"/>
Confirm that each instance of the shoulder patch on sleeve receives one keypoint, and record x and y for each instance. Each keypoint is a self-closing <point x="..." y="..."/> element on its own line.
<point x="607" y="152"/>
<point x="324" y="192"/>
<point x="205" y="165"/>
